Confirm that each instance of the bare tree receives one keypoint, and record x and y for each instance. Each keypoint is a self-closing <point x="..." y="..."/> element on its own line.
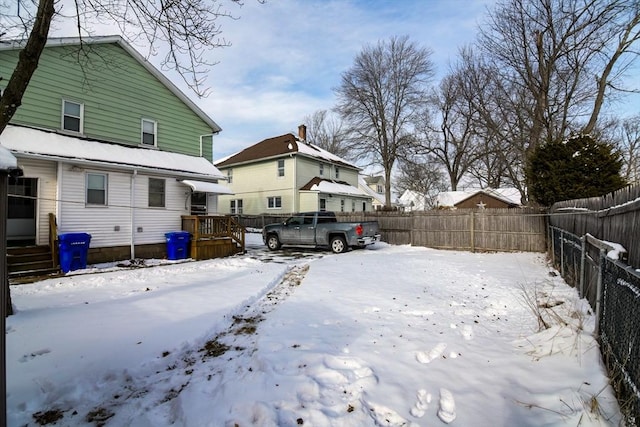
<point x="448" y="132"/>
<point x="184" y="29"/>
<point x="626" y="136"/>
<point x="551" y="50"/>
<point x="501" y="112"/>
<point x="327" y="132"/>
<point x="379" y="97"/>
<point x="422" y="175"/>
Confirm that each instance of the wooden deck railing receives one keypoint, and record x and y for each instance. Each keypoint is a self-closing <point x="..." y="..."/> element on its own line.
<point x="53" y="237"/>
<point x="206" y="229"/>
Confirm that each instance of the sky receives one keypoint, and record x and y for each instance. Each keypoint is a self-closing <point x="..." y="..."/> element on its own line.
<point x="309" y="338"/>
<point x="287" y="56"/>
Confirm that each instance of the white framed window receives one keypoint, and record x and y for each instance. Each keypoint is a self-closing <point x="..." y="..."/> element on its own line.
<point x="341" y="205"/>
<point x="337" y="172"/>
<point x="229" y="176"/>
<point x="236" y="206"/>
<point x="156" y="193"/>
<point x="149" y="133"/>
<point x="96" y="185"/>
<point x="323" y="205"/>
<point x="321" y="171"/>
<point x="72" y="116"/>
<point x="274" y="202"/>
<point x="281" y="167"/>
<point x="379" y="189"/>
<point x="353" y="206"/>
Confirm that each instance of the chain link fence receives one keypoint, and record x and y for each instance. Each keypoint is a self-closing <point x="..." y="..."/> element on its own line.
<point x="613" y="290"/>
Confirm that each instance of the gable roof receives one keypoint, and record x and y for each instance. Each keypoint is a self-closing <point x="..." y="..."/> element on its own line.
<point x="412" y="200"/>
<point x="510" y="196"/>
<point x="363" y="184"/>
<point x="76" y="41"/>
<point x="280" y="146"/>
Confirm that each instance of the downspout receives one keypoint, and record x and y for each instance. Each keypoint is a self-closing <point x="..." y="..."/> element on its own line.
<point x="132" y="213"/>
<point x="59" y="195"/>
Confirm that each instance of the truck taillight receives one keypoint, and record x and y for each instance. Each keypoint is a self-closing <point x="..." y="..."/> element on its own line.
<point x="359" y="230"/>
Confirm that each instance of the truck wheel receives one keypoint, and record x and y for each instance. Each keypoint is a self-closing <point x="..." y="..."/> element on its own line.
<point x="272" y="242"/>
<point x="338" y="245"/>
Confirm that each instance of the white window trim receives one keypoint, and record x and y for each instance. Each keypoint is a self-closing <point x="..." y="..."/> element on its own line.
<point x="164" y="204"/>
<point x="155" y="133"/>
<point x="236" y="206"/>
<point x="106" y="190"/>
<point x="62" y="115"/>
<point x="283" y="168"/>
<point x="274" y="202"/>
<point x="230" y="176"/>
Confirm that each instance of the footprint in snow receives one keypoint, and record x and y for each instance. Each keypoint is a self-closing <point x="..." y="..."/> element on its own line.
<point x="33" y="355"/>
<point x="467" y="332"/>
<point x="384" y="416"/>
<point x="422" y="404"/>
<point x="428" y="356"/>
<point x="447" y="411"/>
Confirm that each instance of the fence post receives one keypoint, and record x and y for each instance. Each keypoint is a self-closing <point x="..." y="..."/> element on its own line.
<point x="471" y="232"/>
<point x="599" y="293"/>
<point x="583" y="256"/>
<point x="562" y="253"/>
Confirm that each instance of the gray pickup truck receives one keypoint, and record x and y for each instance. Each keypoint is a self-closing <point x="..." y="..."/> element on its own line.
<point x="320" y="229"/>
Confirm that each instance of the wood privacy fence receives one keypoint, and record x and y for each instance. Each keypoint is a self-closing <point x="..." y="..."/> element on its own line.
<point x="462" y="229"/>
<point x="614" y="217"/>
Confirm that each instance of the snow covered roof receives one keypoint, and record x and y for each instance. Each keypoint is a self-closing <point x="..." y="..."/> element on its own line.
<point x="451" y="198"/>
<point x="7" y="160"/>
<point x="280" y="146"/>
<point x="333" y="187"/>
<point x="29" y="142"/>
<point x="413" y="200"/>
<point x="115" y="39"/>
<point x="363" y="184"/>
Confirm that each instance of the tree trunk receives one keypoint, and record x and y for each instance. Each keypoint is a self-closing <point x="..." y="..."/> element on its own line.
<point x="27" y="63"/>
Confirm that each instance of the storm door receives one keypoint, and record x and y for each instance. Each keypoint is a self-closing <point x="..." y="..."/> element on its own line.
<point x="22" y="211"/>
<point x="198" y="203"/>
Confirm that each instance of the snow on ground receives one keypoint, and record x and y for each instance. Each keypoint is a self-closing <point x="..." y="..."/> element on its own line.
<point x="387" y="336"/>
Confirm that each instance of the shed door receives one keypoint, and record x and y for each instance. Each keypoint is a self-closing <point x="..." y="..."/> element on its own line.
<point x="22" y="208"/>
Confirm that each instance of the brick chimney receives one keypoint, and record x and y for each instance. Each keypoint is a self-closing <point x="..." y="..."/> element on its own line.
<point x="302" y="133"/>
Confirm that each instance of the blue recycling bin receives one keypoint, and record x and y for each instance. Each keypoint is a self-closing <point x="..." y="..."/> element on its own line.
<point x="177" y="244"/>
<point x="73" y="249"/>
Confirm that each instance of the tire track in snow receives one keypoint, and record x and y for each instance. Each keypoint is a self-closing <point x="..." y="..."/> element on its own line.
<point x="154" y="392"/>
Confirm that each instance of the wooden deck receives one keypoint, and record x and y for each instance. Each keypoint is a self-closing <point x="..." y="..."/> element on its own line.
<point x="214" y="236"/>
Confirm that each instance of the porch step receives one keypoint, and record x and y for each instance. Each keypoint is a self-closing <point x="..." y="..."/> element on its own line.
<point x="29" y="263"/>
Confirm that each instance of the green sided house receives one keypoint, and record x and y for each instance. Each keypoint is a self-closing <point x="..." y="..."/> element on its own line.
<point x="288" y="174"/>
<point x="108" y="146"/>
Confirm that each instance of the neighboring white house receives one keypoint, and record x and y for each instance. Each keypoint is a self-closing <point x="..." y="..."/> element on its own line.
<point x="374" y="187"/>
<point x="413" y="201"/>
<point x="288" y="174"/>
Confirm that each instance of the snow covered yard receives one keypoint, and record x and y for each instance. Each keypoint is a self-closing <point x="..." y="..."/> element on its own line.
<point x="389" y="336"/>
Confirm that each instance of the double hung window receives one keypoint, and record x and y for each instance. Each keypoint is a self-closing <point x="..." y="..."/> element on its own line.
<point x="72" y="116"/>
<point x="96" y="189"/>
<point x="156" y="193"/>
